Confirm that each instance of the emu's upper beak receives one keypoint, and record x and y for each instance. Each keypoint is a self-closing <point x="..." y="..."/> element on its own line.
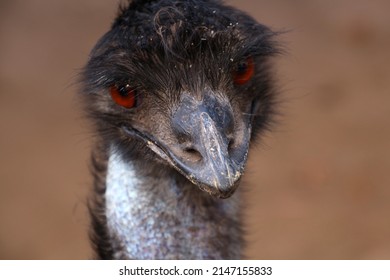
<point x="210" y="153"/>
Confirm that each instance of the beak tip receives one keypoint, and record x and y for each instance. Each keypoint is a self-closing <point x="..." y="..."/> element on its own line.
<point x="220" y="189"/>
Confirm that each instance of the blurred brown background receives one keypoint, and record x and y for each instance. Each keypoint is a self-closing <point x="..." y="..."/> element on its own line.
<point x="318" y="186"/>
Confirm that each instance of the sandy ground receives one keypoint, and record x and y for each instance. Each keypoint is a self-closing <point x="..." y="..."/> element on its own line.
<point x="318" y="186"/>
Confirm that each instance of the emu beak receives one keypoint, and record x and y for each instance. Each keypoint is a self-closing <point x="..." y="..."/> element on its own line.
<point x="209" y="153"/>
<point x="213" y="169"/>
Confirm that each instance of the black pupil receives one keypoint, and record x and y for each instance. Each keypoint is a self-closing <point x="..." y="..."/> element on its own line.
<point x="124" y="91"/>
<point x="242" y="67"/>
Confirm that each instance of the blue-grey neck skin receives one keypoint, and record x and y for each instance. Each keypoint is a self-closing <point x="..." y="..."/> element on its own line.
<point x="154" y="217"/>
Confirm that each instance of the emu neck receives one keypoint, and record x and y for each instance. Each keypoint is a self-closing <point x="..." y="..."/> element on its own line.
<point x="162" y="216"/>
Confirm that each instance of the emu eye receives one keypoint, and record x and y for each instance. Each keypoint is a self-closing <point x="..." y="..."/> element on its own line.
<point x="244" y="71"/>
<point x="124" y="96"/>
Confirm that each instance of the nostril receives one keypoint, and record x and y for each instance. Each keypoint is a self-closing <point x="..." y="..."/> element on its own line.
<point x="191" y="150"/>
<point x="192" y="154"/>
<point x="231" y="145"/>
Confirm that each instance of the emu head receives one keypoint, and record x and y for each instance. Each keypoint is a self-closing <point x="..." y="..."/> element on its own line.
<point x="183" y="84"/>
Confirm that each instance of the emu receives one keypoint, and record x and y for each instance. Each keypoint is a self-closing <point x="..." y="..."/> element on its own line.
<point x="177" y="90"/>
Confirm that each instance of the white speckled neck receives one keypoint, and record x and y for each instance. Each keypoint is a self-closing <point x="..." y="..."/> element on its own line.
<point x="154" y="218"/>
<point x="121" y="198"/>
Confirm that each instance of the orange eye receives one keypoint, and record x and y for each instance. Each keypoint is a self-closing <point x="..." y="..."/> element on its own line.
<point x="124" y="96"/>
<point x="244" y="71"/>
